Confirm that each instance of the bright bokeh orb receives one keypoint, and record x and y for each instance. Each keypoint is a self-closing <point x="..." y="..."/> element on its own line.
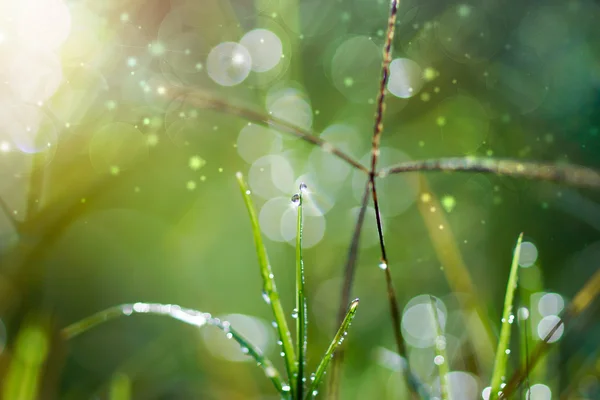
<point x="529" y="254"/>
<point x="551" y="304"/>
<point x="406" y="78"/>
<point x="546" y="325"/>
<point x="539" y="392"/>
<point x="256" y="141"/>
<point x="265" y="49"/>
<point x="271" y="176"/>
<point x="418" y="321"/>
<point x="229" y="64"/>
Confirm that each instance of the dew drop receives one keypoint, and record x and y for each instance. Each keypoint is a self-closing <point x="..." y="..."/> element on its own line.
<point x="438" y="360"/>
<point x="285" y="388"/>
<point x="295" y="313"/>
<point x="296" y="198"/>
<point x="303" y="187"/>
<point x="266" y="297"/>
<point x="383" y="265"/>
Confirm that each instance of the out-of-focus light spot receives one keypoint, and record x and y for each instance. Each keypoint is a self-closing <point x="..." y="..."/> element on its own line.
<point x="546" y="325"/>
<point x="290" y="105"/>
<point x="271" y="176"/>
<point x="406" y="78"/>
<point x="221" y="345"/>
<point x="462" y="385"/>
<point x="418" y="323"/>
<point x="229" y="63"/>
<point x="523" y="313"/>
<point x="265" y="49"/>
<point x="313" y="229"/>
<point x="551" y="304"/>
<point x="354" y="62"/>
<point x="34" y="75"/>
<point x="196" y="162"/>
<point x="124" y="17"/>
<point x="190" y="185"/>
<point x="255" y="141"/>
<point x="270" y="217"/>
<point x="4" y="146"/>
<point x="156" y="48"/>
<point x="539" y="392"/>
<point x="463" y="10"/>
<point x="448" y="202"/>
<point x="43" y="23"/>
<point x="131" y="62"/>
<point x="529" y="254"/>
<point x="430" y="74"/>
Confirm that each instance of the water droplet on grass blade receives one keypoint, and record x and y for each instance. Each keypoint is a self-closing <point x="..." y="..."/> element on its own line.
<point x="296" y="199"/>
<point x="266" y="297"/>
<point x="303" y="187"/>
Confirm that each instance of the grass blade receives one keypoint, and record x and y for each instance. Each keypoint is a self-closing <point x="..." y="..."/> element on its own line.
<point x="582" y="300"/>
<point x="270" y="293"/>
<point x="120" y="387"/>
<point x="507" y="319"/>
<point x="562" y="173"/>
<point x="335" y="343"/>
<point x="440" y="352"/>
<point x="301" y="308"/>
<point x="22" y="379"/>
<point x="190" y="317"/>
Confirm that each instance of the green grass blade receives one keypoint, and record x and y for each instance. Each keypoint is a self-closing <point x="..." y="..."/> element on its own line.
<point x="190" y="317"/>
<point x="507" y="319"/>
<point x="25" y="370"/>
<point x="270" y="293"/>
<point x="317" y="377"/>
<point x="301" y="308"/>
<point x="440" y="353"/>
<point x="120" y="387"/>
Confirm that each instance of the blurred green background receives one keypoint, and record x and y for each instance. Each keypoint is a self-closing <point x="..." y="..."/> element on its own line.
<point x="117" y="191"/>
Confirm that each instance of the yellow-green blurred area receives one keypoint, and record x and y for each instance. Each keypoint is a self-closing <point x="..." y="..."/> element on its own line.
<point x="114" y="190"/>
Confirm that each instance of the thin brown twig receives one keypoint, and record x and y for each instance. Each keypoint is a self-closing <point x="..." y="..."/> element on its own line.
<point x="562" y="173"/>
<point x="349" y="272"/>
<point x="206" y="100"/>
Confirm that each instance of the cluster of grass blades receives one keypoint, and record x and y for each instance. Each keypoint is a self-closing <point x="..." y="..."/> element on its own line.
<point x="299" y="384"/>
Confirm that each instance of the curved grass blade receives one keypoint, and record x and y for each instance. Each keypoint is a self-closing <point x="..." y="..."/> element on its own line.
<point x="301" y="308"/>
<point x="440" y="351"/>
<point x="507" y="318"/>
<point x="582" y="300"/>
<point x="206" y="100"/>
<point x="317" y="377"/>
<point x="190" y="317"/>
<point x="482" y="339"/>
<point x="562" y="173"/>
<point x="270" y="293"/>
